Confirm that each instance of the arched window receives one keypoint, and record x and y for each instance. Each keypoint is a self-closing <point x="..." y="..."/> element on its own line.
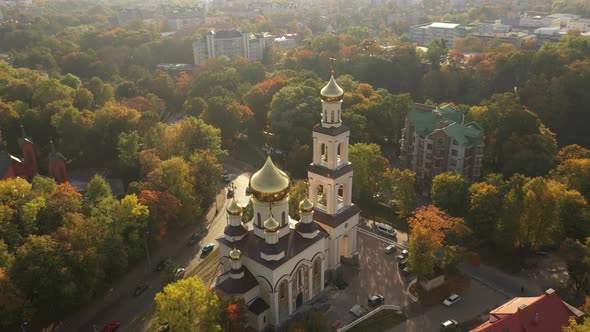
<point x="321" y="195"/>
<point x="332" y="116"/>
<point x="317" y="266"/>
<point x="340" y="193"/>
<point x="324" y="152"/>
<point x="300" y="277"/>
<point x="258" y="219"/>
<point x="283" y="219"/>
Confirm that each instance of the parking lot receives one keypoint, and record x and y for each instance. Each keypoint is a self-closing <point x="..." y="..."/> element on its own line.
<point x="377" y="274"/>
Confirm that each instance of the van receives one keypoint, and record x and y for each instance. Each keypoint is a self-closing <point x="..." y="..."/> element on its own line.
<point x="386" y="229"/>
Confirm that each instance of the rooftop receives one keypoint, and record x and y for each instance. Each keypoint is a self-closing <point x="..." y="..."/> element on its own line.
<point x="543" y="313"/>
<point x="427" y="119"/>
<point x="441" y="25"/>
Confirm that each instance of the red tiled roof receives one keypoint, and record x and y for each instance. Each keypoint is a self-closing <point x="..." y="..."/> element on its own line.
<point x="545" y="313"/>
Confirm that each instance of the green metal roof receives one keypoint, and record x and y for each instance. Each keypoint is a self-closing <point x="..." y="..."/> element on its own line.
<point x="426" y="121"/>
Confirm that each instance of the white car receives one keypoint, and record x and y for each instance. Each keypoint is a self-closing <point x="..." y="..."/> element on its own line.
<point x="449" y="301"/>
<point x="390" y="249"/>
<point x="449" y="323"/>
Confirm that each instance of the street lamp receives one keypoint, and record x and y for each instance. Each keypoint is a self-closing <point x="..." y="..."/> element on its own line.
<point x="147" y="252"/>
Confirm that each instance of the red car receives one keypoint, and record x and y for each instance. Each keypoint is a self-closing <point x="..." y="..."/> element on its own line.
<point x="111" y="327"/>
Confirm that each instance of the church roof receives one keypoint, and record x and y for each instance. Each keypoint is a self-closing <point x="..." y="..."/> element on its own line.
<point x="6" y="162"/>
<point x="329" y="173"/>
<point x="332" y="131"/>
<point x="238" y="286"/>
<point x="235" y="230"/>
<point x="334" y="221"/>
<point x="307" y="228"/>
<point x="269" y="183"/>
<point x="258" y="306"/>
<point x="332" y="92"/>
<point x="292" y="244"/>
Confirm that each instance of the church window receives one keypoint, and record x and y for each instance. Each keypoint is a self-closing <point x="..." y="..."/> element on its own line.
<point x="324" y="152"/>
<point x="258" y="220"/>
<point x="283" y="291"/>
<point x="346" y="225"/>
<point x="332" y="116"/>
<point x="283" y="219"/>
<point x="340" y="194"/>
<point x="338" y="115"/>
<point x="300" y="277"/>
<point x="317" y="266"/>
<point x="264" y="319"/>
<point x="339" y="152"/>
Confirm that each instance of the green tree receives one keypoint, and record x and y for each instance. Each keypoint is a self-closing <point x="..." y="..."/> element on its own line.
<point x="484" y="209"/>
<point x="298" y="159"/>
<point x="71" y="80"/>
<point x="578" y="263"/>
<point x="386" y="120"/>
<point x="450" y="192"/>
<point x="98" y="189"/>
<point x="43" y="275"/>
<point x="403" y="190"/>
<point x="12" y="301"/>
<point x="574" y="215"/>
<point x="195" y="106"/>
<point x="188" y="305"/>
<point x="575" y="173"/>
<point x="297" y="193"/>
<point x="369" y="167"/>
<point x="128" y="147"/>
<point x="51" y="90"/>
<point x="437" y="52"/>
<point x="574" y="326"/>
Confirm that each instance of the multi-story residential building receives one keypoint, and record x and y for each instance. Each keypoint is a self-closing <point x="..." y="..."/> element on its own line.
<point x="286" y="41"/>
<point x="178" y="18"/>
<point x="435" y="141"/>
<point x="535" y="21"/>
<point x="231" y="43"/>
<point x="422" y="34"/>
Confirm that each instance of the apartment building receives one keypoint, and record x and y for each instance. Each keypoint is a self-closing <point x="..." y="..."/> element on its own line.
<point x="231" y="43"/>
<point x="435" y="140"/>
<point x="422" y="34"/>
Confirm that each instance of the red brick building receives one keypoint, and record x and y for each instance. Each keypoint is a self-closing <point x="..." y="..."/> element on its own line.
<point x="545" y="313"/>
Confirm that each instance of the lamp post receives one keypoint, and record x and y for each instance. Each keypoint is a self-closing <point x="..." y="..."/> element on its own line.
<point x="147" y="252"/>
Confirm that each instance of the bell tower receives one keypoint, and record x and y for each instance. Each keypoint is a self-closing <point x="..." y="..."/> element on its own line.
<point x="330" y="177"/>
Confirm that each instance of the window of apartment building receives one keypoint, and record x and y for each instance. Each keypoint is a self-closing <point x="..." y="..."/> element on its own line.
<point x="437" y="163"/>
<point x="454" y="153"/>
<point x="453" y="162"/>
<point x="439" y="140"/>
<point x="429" y="156"/>
<point x="455" y="142"/>
<point x="428" y="146"/>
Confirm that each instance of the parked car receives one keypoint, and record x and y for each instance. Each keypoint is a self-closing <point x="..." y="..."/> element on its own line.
<point x="193" y="240"/>
<point x="449" y="301"/>
<point x="208" y="248"/>
<point x="376" y="300"/>
<point x="405" y="252"/>
<point x="161" y="264"/>
<point x="140" y="288"/>
<point x="402" y="255"/>
<point x="390" y="249"/>
<point x="402" y="264"/>
<point x="448" y="323"/>
<point x="406" y="271"/>
<point x="386" y="229"/>
<point x="111" y="327"/>
<point x="179" y="272"/>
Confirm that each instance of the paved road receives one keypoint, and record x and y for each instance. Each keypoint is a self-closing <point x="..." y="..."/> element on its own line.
<point x="477" y="299"/>
<point x="120" y="304"/>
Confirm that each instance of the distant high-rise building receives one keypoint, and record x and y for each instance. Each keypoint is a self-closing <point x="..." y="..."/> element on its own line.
<point x="435" y="141"/>
<point x="231" y="43"/>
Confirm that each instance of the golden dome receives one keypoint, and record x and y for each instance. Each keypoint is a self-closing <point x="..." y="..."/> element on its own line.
<point x="271" y="225"/>
<point x="235" y="254"/>
<point x="269" y="184"/>
<point x="306" y="205"/>
<point x="332" y="92"/>
<point x="234" y="208"/>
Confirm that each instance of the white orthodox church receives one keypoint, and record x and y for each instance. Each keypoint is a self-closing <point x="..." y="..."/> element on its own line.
<point x="276" y="263"/>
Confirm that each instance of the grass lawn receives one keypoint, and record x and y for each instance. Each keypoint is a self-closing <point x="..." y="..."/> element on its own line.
<point x="454" y="283"/>
<point x="381" y="321"/>
<point x="206" y="270"/>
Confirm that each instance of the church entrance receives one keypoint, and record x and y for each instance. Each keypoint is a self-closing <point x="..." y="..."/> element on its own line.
<point x="299" y="300"/>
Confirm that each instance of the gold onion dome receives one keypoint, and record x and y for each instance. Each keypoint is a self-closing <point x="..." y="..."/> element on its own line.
<point x="271" y="225"/>
<point x="234" y="208"/>
<point x="235" y="254"/>
<point x="269" y="184"/>
<point x="332" y="92"/>
<point x="306" y="205"/>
